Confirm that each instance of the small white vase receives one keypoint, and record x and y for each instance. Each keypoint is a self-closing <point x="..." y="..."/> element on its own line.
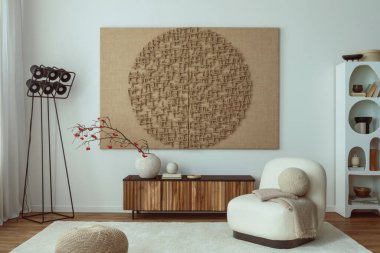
<point x="355" y="161"/>
<point x="148" y="167"/>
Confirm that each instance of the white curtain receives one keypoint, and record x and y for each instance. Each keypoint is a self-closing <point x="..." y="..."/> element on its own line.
<point x="13" y="141"/>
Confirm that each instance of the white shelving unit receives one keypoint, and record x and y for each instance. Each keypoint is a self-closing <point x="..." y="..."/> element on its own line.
<point x="348" y="141"/>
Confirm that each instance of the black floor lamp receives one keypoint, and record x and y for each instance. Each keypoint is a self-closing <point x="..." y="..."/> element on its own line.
<point x="49" y="84"/>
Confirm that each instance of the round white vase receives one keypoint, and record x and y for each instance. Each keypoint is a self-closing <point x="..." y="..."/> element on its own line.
<point x="172" y="168"/>
<point x="148" y="167"/>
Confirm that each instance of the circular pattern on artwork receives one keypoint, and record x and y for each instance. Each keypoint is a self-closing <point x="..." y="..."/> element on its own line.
<point x="190" y="88"/>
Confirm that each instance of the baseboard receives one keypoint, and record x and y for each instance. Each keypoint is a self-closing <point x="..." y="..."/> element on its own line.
<point x="330" y="209"/>
<point x="110" y="209"/>
<point x="83" y="209"/>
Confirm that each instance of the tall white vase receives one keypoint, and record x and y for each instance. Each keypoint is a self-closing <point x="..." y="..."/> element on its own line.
<point x="148" y="167"/>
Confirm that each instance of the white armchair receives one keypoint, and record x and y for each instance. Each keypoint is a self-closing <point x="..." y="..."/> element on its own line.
<point x="268" y="223"/>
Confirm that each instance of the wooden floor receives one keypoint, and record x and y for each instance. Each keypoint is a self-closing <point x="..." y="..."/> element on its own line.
<point x="362" y="227"/>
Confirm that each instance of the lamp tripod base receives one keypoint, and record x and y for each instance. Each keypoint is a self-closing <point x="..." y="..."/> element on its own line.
<point x="45" y="216"/>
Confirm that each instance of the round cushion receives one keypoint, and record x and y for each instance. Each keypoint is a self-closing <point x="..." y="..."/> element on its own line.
<point x="93" y="239"/>
<point x="294" y="180"/>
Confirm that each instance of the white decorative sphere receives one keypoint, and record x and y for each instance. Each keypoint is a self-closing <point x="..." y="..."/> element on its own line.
<point x="172" y="168"/>
<point x="148" y="167"/>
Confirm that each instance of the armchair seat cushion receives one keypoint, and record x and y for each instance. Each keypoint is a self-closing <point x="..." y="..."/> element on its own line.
<point x="249" y="215"/>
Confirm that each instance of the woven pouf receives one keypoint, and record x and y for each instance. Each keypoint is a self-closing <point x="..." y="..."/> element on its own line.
<point x="93" y="239"/>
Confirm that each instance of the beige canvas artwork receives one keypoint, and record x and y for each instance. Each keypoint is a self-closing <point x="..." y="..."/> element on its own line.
<point x="192" y="88"/>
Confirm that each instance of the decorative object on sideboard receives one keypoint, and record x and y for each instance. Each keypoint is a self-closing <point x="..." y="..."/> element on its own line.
<point x="367" y="121"/>
<point x="102" y="130"/>
<point x="352" y="57"/>
<point x="172" y="168"/>
<point x="148" y="165"/>
<point x="172" y="171"/>
<point x="192" y="176"/>
<point x="171" y="176"/>
<point x="355" y="161"/>
<point x="49" y="84"/>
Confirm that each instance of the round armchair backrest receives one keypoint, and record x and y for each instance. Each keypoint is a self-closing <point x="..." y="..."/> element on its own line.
<point x="315" y="172"/>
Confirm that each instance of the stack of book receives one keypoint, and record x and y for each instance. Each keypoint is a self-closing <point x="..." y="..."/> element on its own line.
<point x="358" y="94"/>
<point x="373" y="90"/>
<point x="364" y="201"/>
<point x="171" y="176"/>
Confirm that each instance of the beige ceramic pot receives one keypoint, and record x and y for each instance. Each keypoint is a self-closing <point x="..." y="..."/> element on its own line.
<point x="148" y="167"/>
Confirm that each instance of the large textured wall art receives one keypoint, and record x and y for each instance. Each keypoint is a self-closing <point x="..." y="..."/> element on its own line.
<point x="192" y="88"/>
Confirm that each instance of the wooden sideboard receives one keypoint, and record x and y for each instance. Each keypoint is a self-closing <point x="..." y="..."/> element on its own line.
<point x="209" y="193"/>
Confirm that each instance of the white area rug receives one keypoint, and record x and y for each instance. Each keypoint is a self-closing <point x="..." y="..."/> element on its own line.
<point x="194" y="237"/>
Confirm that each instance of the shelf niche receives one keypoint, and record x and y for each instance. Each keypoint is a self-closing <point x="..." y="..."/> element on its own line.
<point x="360" y="153"/>
<point x="363" y="75"/>
<point x="374" y="156"/>
<point x="364" y="108"/>
<point x="372" y="182"/>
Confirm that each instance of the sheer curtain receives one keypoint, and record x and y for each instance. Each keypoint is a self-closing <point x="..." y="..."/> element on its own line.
<point x="12" y="112"/>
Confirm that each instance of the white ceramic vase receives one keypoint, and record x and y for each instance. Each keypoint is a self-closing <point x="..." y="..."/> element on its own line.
<point x="148" y="167"/>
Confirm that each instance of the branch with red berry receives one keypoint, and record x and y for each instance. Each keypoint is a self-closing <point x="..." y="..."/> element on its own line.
<point x="102" y="130"/>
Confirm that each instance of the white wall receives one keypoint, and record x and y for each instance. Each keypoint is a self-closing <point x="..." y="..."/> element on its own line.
<point x="314" y="35"/>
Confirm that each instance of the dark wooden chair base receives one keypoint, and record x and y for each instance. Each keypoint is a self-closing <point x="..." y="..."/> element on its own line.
<point x="278" y="244"/>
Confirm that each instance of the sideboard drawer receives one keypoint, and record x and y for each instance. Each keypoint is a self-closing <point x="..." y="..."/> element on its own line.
<point x="176" y="195"/>
<point x="142" y="195"/>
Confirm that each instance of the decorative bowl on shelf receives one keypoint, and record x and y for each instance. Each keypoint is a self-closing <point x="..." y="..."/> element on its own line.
<point x="357" y="88"/>
<point x="362" y="192"/>
<point x="352" y="57"/>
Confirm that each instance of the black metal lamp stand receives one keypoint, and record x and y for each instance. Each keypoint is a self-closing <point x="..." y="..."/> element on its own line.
<point x="49" y="84"/>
